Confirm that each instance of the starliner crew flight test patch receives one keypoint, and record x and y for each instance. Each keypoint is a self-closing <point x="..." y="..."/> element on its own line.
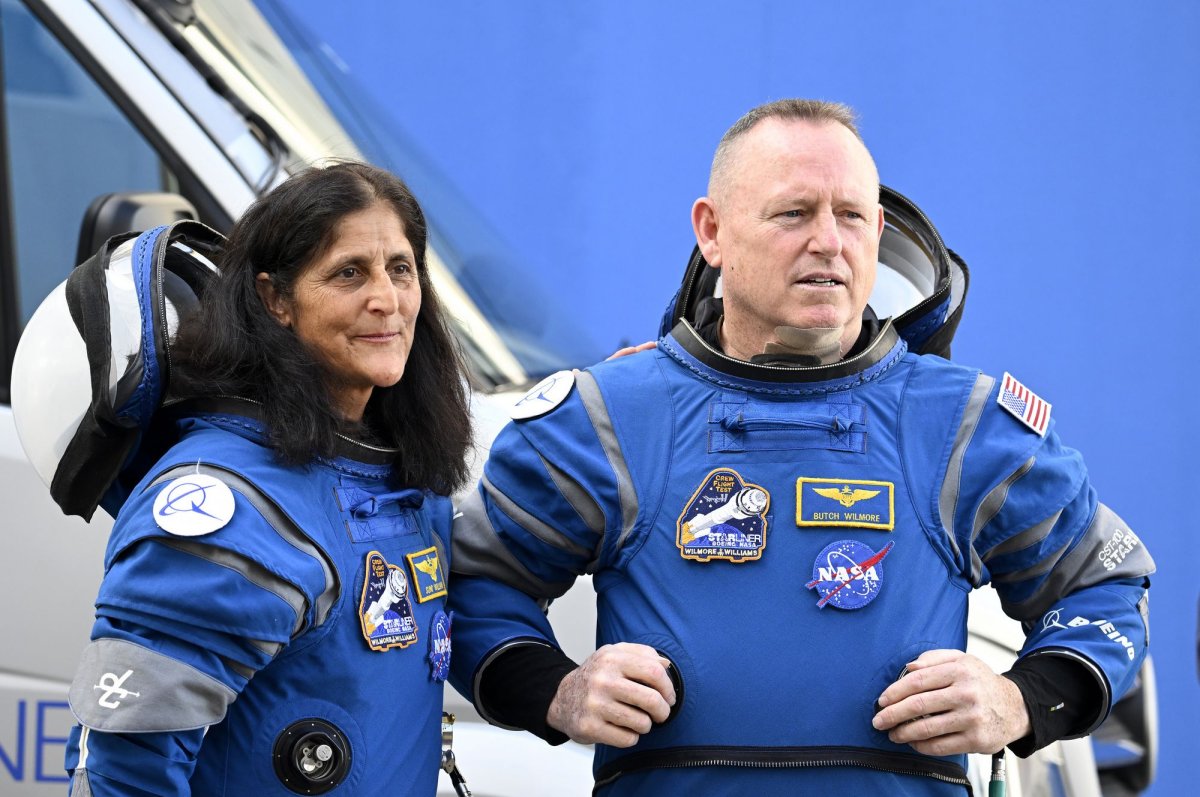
<point x="385" y="610"/>
<point x="726" y="518"/>
<point x="848" y="574"/>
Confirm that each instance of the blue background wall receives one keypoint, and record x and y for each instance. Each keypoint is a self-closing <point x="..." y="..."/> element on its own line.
<point x="1052" y="143"/>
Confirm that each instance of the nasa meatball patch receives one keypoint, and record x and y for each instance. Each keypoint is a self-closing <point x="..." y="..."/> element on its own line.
<point x="848" y="574"/>
<point x="385" y="610"/>
<point x="726" y="518"/>
<point x="439" y="645"/>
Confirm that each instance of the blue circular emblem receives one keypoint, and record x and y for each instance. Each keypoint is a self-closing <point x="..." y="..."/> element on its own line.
<point x="848" y="574"/>
<point x="439" y="645"/>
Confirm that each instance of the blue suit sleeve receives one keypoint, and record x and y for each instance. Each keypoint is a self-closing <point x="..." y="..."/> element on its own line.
<point x="549" y="508"/>
<point x="182" y="624"/>
<point x="1027" y="520"/>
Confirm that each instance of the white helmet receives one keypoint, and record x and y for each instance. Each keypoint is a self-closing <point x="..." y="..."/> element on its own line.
<point x="92" y="366"/>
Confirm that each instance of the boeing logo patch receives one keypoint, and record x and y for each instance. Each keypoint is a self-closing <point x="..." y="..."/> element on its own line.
<point x="112" y="685"/>
<point x="427" y="574"/>
<point x="848" y="574"/>
<point x="439" y="645"/>
<point x="385" y="610"/>
<point x="193" y="505"/>
<point x="545" y="396"/>
<point x="845" y="503"/>
<point x="726" y="518"/>
<point x="1052" y="619"/>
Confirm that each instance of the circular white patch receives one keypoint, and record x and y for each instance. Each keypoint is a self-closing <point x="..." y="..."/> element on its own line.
<point x="193" y="505"/>
<point x="545" y="396"/>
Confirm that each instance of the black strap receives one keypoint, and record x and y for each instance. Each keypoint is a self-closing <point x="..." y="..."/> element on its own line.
<point x="102" y="441"/>
<point x="94" y="470"/>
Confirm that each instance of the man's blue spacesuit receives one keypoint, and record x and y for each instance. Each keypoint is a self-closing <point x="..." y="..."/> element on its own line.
<point x="264" y="629"/>
<point x="790" y="536"/>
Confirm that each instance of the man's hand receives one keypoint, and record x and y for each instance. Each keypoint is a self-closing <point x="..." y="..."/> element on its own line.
<point x="628" y="350"/>
<point x="614" y="696"/>
<point x="951" y="702"/>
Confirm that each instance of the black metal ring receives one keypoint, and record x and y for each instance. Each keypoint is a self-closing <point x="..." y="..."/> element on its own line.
<point x="311" y="756"/>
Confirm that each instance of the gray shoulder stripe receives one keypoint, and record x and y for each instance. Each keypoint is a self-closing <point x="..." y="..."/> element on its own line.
<point x="989" y="507"/>
<point x="1107" y="550"/>
<point x="477" y="551"/>
<point x="580" y="499"/>
<point x="272" y="649"/>
<point x="1025" y="539"/>
<point x="126" y="688"/>
<point x="242" y="669"/>
<point x="1041" y="568"/>
<point x="250" y="570"/>
<point x="992" y="503"/>
<point x="593" y="402"/>
<point x="537" y="528"/>
<point x="279" y="520"/>
<point x="951" y="486"/>
<point x="441" y="550"/>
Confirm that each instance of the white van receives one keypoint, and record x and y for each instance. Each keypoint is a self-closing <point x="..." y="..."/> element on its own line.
<point x="122" y="114"/>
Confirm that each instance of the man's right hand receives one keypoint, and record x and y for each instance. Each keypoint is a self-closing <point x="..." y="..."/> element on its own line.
<point x="614" y="697"/>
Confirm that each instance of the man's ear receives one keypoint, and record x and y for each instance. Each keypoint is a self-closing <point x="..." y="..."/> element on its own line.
<point x="879" y="225"/>
<point x="704" y="225"/>
<point x="275" y="304"/>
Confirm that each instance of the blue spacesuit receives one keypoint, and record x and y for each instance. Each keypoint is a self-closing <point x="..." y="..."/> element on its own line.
<point x="264" y="629"/>
<point x="791" y="535"/>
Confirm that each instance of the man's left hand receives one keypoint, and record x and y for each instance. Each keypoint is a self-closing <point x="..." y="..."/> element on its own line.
<point x="951" y="702"/>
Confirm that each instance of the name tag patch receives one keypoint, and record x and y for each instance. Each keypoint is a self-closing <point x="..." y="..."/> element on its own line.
<point x="726" y="518"/>
<point x="845" y="502"/>
<point x="427" y="574"/>
<point x="385" y="610"/>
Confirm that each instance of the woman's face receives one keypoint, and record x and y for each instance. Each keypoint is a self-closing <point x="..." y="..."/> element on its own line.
<point x="356" y="306"/>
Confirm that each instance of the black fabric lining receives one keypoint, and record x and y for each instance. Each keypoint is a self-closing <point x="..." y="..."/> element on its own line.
<point x="783" y="758"/>
<point x="694" y="344"/>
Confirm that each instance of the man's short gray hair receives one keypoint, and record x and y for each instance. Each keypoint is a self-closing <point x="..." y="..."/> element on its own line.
<point x="790" y="109"/>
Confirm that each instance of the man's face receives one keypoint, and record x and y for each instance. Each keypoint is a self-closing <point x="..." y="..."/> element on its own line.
<point x="795" y="229"/>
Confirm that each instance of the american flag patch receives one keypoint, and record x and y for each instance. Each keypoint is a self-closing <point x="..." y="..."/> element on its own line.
<point x="1025" y="405"/>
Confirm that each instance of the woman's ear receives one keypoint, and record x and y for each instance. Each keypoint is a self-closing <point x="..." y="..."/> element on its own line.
<point x="276" y="305"/>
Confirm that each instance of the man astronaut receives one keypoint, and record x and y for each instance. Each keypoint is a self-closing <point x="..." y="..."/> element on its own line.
<point x="892" y="483"/>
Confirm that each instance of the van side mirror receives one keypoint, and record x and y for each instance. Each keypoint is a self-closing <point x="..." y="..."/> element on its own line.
<point x="113" y="214"/>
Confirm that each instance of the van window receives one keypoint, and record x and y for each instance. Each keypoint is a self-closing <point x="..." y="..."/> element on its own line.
<point x="67" y="144"/>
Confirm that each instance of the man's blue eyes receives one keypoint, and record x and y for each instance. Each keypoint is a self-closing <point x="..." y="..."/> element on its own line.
<point x="795" y="214"/>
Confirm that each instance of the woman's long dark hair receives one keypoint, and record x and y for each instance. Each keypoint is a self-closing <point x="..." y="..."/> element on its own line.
<point x="232" y="346"/>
